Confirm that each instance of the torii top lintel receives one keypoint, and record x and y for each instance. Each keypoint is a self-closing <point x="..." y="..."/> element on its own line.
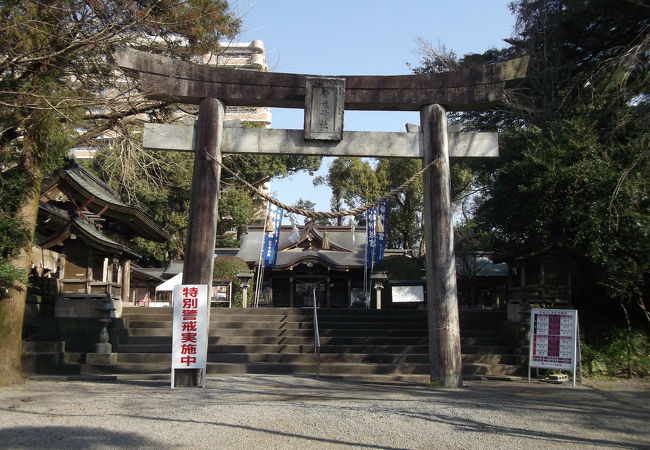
<point x="164" y="78"/>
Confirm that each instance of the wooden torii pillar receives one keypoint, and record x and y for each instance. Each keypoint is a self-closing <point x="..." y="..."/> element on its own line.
<point x="210" y="87"/>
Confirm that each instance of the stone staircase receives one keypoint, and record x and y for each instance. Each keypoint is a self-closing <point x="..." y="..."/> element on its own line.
<point x="393" y="344"/>
<point x="45" y="357"/>
<point x="253" y="340"/>
<point x="375" y="345"/>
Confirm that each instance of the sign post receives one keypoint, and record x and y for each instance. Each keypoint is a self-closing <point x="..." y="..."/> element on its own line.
<point x="554" y="340"/>
<point x="190" y="329"/>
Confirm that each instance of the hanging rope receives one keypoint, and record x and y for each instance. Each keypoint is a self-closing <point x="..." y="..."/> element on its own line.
<point x="322" y="214"/>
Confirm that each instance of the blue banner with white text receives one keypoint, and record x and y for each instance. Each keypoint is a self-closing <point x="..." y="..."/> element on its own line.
<point x="272" y="235"/>
<point x="371" y="236"/>
<point x="381" y="229"/>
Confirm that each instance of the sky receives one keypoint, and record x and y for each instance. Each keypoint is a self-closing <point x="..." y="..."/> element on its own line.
<point x="362" y="37"/>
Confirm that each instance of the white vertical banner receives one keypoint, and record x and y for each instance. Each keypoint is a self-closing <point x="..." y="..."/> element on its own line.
<point x="190" y="328"/>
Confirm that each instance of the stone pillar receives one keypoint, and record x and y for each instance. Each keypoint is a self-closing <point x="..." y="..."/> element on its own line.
<point x="244" y="294"/>
<point x="442" y="303"/>
<point x="378" y="279"/>
<point x="126" y="281"/>
<point x="378" y="287"/>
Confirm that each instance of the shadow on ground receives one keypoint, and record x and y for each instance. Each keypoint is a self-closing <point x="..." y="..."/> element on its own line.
<point x="46" y="437"/>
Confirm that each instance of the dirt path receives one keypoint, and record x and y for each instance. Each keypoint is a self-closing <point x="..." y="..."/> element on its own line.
<point x="294" y="412"/>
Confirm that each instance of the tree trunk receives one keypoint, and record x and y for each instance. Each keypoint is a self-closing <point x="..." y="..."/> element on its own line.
<point x="12" y="309"/>
<point x="442" y="304"/>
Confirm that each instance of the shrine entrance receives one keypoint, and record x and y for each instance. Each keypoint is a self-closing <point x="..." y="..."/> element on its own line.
<point x="303" y="292"/>
<point x="324" y="100"/>
<point x="295" y="290"/>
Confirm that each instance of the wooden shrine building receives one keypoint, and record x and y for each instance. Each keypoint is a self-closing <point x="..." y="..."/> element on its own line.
<point x="327" y="258"/>
<point x="83" y="236"/>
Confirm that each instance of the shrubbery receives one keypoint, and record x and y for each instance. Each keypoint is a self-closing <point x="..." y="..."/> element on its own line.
<point x="611" y="355"/>
<point x="226" y="268"/>
<point x="401" y="268"/>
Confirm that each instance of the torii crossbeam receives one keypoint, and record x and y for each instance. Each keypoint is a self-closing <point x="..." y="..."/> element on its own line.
<point x="432" y="94"/>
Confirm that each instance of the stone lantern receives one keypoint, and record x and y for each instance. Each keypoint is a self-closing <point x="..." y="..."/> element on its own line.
<point x="244" y="278"/>
<point x="378" y="279"/>
<point x="105" y="316"/>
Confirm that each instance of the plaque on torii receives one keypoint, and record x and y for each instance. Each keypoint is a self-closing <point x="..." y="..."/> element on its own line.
<point x="212" y="87"/>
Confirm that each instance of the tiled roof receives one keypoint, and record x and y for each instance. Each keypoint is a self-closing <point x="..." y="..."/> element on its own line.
<point x="353" y="255"/>
<point x="88" y="230"/>
<point x="97" y="195"/>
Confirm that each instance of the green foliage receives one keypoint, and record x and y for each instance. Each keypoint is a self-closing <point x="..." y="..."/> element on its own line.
<point x="158" y="182"/>
<point x="9" y="274"/>
<point x="235" y="210"/>
<point x="60" y="88"/>
<point x="585" y="56"/>
<point x="402" y="268"/>
<point x="574" y="141"/>
<point x="405" y="226"/>
<point x="617" y="352"/>
<point x="15" y="185"/>
<point x="352" y="181"/>
<point x="226" y="241"/>
<point x="308" y="205"/>
<point x="226" y="268"/>
<point x="258" y="169"/>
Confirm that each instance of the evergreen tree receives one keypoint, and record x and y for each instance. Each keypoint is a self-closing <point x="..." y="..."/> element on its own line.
<point x="574" y="143"/>
<point x="352" y="181"/>
<point x="59" y="89"/>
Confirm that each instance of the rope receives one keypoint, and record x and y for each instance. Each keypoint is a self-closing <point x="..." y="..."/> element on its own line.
<point x="323" y="214"/>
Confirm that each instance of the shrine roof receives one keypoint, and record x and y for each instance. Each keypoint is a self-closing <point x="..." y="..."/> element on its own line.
<point x="342" y="252"/>
<point x="90" y="235"/>
<point x="88" y="191"/>
<point x="154" y="273"/>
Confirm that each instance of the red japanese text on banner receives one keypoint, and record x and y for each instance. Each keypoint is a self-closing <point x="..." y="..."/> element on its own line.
<point x="190" y="327"/>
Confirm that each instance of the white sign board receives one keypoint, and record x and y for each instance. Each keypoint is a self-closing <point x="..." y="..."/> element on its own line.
<point x="553" y="339"/>
<point x="190" y="328"/>
<point x="407" y="294"/>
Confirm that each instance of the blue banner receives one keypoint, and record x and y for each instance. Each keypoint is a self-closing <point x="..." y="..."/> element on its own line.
<point x="371" y="236"/>
<point x="381" y="228"/>
<point x="272" y="237"/>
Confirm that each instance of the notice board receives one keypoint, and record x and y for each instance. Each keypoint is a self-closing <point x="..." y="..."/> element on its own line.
<point x="553" y="339"/>
<point x="407" y="294"/>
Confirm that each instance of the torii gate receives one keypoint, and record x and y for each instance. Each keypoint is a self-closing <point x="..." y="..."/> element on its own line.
<point x="324" y="100"/>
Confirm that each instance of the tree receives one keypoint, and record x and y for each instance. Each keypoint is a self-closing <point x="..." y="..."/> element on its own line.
<point x="308" y="205"/>
<point x="574" y="140"/>
<point x="405" y="227"/>
<point x="160" y="182"/>
<point x="57" y="80"/>
<point x="352" y="181"/>
<point x="226" y="268"/>
<point x="235" y="211"/>
<point x="578" y="170"/>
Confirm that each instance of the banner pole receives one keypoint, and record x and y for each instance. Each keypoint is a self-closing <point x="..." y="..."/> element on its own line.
<point x="259" y="261"/>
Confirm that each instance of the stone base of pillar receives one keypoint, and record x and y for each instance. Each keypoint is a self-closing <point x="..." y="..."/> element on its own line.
<point x="101" y="358"/>
<point x="105" y="348"/>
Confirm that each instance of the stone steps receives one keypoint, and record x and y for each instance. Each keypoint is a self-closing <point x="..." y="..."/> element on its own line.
<point x="42" y="356"/>
<point x="384" y="345"/>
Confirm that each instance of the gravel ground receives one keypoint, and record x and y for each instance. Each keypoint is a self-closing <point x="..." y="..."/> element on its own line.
<point x="298" y="412"/>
